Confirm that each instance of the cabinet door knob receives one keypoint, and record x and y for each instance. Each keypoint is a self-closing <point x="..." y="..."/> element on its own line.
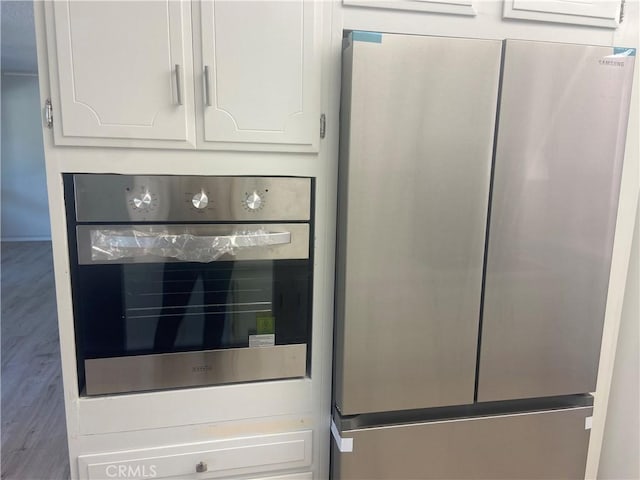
<point x="201" y="467"/>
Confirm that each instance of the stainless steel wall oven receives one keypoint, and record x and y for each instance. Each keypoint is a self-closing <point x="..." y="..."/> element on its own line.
<point x="182" y="281"/>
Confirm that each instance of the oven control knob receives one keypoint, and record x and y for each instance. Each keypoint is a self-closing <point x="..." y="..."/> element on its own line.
<point x="143" y="200"/>
<point x="253" y="201"/>
<point x="200" y="200"/>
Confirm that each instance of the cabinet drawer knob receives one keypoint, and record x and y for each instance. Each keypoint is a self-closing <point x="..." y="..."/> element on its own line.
<point x="201" y="467"/>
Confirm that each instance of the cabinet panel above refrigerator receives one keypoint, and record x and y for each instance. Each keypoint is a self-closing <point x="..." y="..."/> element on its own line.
<point x="560" y="146"/>
<point x="416" y="147"/>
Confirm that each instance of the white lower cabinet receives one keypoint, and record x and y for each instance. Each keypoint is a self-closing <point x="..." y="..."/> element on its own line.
<point x="252" y="457"/>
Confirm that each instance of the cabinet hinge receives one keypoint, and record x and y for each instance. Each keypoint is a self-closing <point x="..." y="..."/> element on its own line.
<point x="622" y="10"/>
<point x="323" y="125"/>
<point x="48" y="113"/>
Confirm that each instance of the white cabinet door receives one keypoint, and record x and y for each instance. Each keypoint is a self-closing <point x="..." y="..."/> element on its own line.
<point x="599" y="13"/>
<point x="455" y="7"/>
<point x="124" y="71"/>
<point x="260" y="74"/>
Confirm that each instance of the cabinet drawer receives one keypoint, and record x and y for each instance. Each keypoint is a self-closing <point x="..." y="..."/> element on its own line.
<point x="246" y="455"/>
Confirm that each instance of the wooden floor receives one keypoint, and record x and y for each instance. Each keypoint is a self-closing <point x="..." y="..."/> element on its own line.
<point x="34" y="441"/>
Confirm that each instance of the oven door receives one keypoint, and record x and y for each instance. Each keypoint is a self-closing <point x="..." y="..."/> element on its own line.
<point x="169" y="306"/>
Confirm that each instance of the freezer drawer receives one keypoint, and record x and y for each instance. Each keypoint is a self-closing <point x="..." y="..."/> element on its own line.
<point x="418" y="116"/>
<point x="560" y="146"/>
<point x="540" y="445"/>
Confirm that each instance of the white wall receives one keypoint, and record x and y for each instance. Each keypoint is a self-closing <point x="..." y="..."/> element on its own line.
<point x="25" y="214"/>
<point x="620" y="456"/>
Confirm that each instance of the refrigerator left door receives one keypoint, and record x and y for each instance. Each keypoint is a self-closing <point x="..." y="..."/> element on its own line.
<point x="418" y="116"/>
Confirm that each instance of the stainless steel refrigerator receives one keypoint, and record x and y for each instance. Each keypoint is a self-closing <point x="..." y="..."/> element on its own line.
<point x="478" y="191"/>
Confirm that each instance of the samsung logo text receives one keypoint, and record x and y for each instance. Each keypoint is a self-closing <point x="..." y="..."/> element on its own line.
<point x="611" y="63"/>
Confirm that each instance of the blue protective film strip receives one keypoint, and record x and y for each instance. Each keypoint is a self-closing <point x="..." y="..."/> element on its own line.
<point x="624" y="52"/>
<point x="371" y="37"/>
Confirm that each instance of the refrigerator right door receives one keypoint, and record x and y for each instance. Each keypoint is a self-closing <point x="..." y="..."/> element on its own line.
<point x="560" y="145"/>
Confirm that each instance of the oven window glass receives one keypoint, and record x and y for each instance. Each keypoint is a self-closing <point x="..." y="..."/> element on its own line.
<point x="150" y="308"/>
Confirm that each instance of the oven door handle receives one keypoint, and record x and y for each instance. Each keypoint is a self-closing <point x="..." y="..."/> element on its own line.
<point x="113" y="245"/>
<point x="245" y="240"/>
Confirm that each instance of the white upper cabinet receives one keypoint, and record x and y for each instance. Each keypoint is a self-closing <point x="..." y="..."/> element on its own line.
<point x="455" y="7"/>
<point x="258" y="75"/>
<point x="597" y="13"/>
<point x="124" y="71"/>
